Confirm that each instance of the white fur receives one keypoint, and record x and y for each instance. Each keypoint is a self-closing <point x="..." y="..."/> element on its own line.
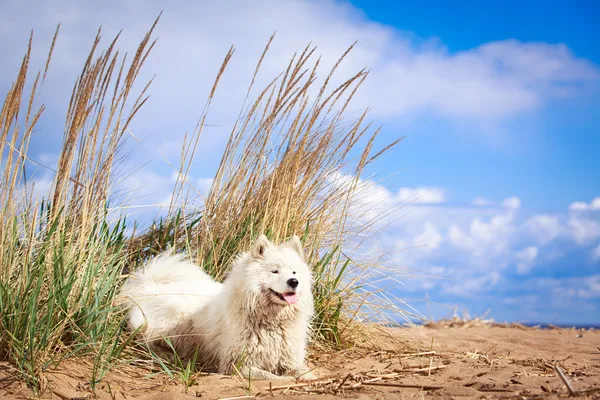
<point x="239" y="322"/>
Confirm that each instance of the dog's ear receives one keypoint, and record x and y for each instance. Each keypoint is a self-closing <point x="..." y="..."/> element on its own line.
<point x="295" y="244"/>
<point x="260" y="246"/>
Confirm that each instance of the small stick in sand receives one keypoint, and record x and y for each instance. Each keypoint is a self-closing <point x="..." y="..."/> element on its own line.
<point x="341" y="384"/>
<point x="285" y="388"/>
<point x="401" y="385"/>
<point x="490" y="349"/>
<point x="384" y="376"/>
<point x="565" y="380"/>
<point x="357" y="384"/>
<point x="492" y="389"/>
<point x="422" y="353"/>
<point x="427" y="369"/>
<point x="378" y="378"/>
<point x="292" y="386"/>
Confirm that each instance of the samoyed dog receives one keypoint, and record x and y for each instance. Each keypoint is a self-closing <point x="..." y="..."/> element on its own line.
<point x="256" y="321"/>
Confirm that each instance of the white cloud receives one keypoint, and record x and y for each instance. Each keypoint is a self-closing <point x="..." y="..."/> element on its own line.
<point x="199" y="186"/>
<point x="431" y="237"/>
<point x="512" y="202"/>
<point x="482" y="202"/>
<point x="576" y="287"/>
<point x="578" y="206"/>
<point x="204" y="184"/>
<point x="472" y="285"/>
<point x="373" y="200"/>
<point x="37" y="188"/>
<point x="459" y="238"/>
<point x="423" y="195"/>
<point x="495" y="79"/>
<point x="583" y="206"/>
<point x="476" y="243"/>
<point x="544" y="228"/>
<point x="525" y="259"/>
<point x="583" y="224"/>
<point x="370" y="200"/>
<point x="583" y="230"/>
<point x="592" y="286"/>
<point x="483" y="237"/>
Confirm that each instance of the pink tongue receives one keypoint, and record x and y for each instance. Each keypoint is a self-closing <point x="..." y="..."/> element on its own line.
<point x="291" y="298"/>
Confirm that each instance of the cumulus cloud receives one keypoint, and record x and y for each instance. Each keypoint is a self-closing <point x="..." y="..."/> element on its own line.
<point x="422" y="195"/>
<point x="583" y="206"/>
<point x="495" y="79"/>
<point x="525" y="259"/>
<point x="592" y="286"/>
<point x="373" y="202"/>
<point x="583" y="224"/>
<point x="585" y="287"/>
<point x="578" y="206"/>
<point x="472" y="285"/>
<point x="478" y="246"/>
<point x="414" y="251"/>
<point x="512" y="202"/>
<point x="481" y="236"/>
<point x="544" y="228"/>
<point x="583" y="230"/>
<point x="509" y="202"/>
<point x="431" y="237"/>
<point x="482" y="202"/>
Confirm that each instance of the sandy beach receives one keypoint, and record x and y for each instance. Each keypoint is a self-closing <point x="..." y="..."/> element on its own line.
<point x="469" y="361"/>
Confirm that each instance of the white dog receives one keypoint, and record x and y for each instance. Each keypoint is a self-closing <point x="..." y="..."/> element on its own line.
<point x="258" y="320"/>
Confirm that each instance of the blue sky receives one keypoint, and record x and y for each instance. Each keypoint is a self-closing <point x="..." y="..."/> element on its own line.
<point x="530" y="144"/>
<point x="499" y="103"/>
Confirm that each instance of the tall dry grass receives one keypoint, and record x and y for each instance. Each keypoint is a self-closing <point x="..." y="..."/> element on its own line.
<point x="61" y="259"/>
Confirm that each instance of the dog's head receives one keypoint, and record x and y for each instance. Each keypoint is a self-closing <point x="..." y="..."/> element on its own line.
<point x="279" y="271"/>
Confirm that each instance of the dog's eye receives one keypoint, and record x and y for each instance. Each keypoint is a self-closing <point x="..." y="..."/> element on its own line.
<point x="294" y="272"/>
<point x="275" y="271"/>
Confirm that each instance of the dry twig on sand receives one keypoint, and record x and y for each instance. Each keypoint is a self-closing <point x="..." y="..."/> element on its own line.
<point x="562" y="376"/>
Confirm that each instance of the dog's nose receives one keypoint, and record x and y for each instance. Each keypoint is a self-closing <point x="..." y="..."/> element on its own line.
<point x="293" y="283"/>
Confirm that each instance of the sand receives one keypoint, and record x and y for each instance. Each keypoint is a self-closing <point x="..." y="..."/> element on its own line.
<point x="461" y="362"/>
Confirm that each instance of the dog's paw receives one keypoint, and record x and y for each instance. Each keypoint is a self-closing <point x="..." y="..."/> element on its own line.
<point x="285" y="378"/>
<point x="279" y="378"/>
<point x="261" y="374"/>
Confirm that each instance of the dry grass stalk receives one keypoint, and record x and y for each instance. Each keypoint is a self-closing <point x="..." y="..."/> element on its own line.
<point x="563" y="378"/>
<point x="403" y="385"/>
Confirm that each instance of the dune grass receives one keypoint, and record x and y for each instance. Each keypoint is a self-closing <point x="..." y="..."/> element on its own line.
<point x="62" y="257"/>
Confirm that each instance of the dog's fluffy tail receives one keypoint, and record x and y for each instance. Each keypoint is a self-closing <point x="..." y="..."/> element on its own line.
<point x="164" y="292"/>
